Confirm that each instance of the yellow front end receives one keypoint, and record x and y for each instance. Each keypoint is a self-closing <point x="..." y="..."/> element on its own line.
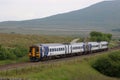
<point x="34" y="53"/>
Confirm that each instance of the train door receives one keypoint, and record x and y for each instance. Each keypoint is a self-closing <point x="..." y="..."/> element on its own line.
<point x="66" y="49"/>
<point x="84" y="48"/>
<point x="46" y="51"/>
<point x="69" y="49"/>
<point x="89" y="48"/>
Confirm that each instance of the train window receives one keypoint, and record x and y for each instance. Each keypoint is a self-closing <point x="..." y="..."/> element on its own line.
<point x="104" y="44"/>
<point x="37" y="49"/>
<point x="50" y="50"/>
<point x="55" y="49"/>
<point x="73" y="47"/>
<point x="81" y="47"/>
<point x="30" y="49"/>
<point x="95" y="46"/>
<point x="59" y="49"/>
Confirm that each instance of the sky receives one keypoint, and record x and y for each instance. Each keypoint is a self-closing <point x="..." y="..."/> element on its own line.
<point x="32" y="9"/>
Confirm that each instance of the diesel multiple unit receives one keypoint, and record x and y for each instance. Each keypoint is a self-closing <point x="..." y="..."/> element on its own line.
<point x="39" y="51"/>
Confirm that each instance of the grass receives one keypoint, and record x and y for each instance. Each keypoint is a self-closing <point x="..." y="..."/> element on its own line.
<point x="11" y="40"/>
<point x="112" y="44"/>
<point x="76" y="69"/>
<point x="23" y="59"/>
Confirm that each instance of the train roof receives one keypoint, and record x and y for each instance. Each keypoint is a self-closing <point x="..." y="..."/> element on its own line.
<point x="93" y="42"/>
<point x="55" y="44"/>
<point x="49" y="44"/>
<point x="78" y="43"/>
<point x="52" y="44"/>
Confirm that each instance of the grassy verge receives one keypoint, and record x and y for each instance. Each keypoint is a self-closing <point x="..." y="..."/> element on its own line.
<point x="108" y="64"/>
<point x="76" y="69"/>
<point x="23" y="59"/>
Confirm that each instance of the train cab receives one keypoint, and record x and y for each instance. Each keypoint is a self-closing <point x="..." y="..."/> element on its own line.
<point x="34" y="53"/>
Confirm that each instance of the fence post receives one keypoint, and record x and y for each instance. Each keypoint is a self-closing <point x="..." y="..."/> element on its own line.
<point x="16" y="71"/>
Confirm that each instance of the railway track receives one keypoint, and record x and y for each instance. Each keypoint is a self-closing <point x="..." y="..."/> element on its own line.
<point x="26" y="64"/>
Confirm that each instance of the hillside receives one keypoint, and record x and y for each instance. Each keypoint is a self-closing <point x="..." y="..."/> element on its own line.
<point x="104" y="15"/>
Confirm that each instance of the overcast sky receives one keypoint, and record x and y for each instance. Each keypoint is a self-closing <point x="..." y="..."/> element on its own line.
<point x="30" y="9"/>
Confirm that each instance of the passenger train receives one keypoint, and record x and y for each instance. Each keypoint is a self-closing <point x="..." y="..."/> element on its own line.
<point x="38" y="52"/>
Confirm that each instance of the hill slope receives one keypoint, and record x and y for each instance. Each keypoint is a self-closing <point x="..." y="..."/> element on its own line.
<point x="102" y="15"/>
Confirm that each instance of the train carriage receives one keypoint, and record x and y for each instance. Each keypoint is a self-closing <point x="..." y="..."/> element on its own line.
<point x="53" y="49"/>
<point x="103" y="45"/>
<point x="94" y="46"/>
<point x="77" y="47"/>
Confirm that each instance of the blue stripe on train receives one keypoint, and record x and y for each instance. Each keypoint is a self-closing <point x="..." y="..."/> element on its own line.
<point x="46" y="50"/>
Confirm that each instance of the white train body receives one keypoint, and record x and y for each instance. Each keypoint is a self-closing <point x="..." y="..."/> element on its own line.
<point x="39" y="51"/>
<point x="77" y="47"/>
<point x="103" y="45"/>
<point x="94" y="45"/>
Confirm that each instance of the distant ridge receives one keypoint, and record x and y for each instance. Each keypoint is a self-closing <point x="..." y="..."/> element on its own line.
<point x="104" y="15"/>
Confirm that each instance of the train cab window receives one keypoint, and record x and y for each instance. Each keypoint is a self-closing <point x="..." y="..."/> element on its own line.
<point x="37" y="49"/>
<point x="30" y="50"/>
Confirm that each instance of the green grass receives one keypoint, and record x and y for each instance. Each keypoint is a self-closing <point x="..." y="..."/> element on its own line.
<point x="76" y="69"/>
<point x="23" y="59"/>
<point x="112" y="44"/>
<point x="12" y="40"/>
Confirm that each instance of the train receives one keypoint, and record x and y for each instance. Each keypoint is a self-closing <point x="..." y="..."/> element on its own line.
<point x="38" y="52"/>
